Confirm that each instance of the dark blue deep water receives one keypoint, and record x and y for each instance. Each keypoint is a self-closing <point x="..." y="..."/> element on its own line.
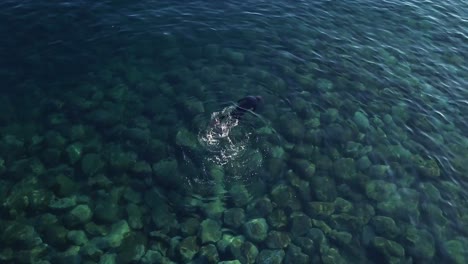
<point x="118" y="142"/>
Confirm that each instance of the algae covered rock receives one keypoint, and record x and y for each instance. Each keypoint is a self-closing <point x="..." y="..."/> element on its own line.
<point x="210" y="231"/>
<point x="420" y="243"/>
<point x="331" y="255"/>
<point x="379" y="171"/>
<point x="186" y="139"/>
<point x="345" y="168"/>
<point x="271" y="256"/>
<point x="135" y="216"/>
<point x="132" y="249"/>
<point x="260" y="207"/>
<point x="390" y="249"/>
<point x="234" y="57"/>
<point x="121" y="161"/>
<point x="189" y="227"/>
<point x="363" y="163"/>
<point x="341" y="236"/>
<point x="306" y="244"/>
<point x="361" y="120"/>
<point x="385" y="226"/>
<point x="142" y="168"/>
<point x="108" y="259"/>
<point x="107" y="211"/>
<point x="64" y="185"/>
<point x="209" y="254"/>
<point x="81" y="214"/>
<point x="62" y="203"/>
<point x="327" y="191"/>
<point x="244" y="251"/>
<point x="188" y="248"/>
<point x="300" y="224"/>
<point x="77" y="237"/>
<point x="324" y="84"/>
<point x="430" y="191"/>
<point x="435" y="214"/>
<point x="456" y="250"/>
<point x="256" y="229"/>
<point x="152" y="256"/>
<point x="166" y="172"/>
<point x="294" y="255"/>
<point x="284" y="196"/>
<point x="22" y="235"/>
<point x="429" y="168"/>
<point x="278" y="218"/>
<point x="277" y="240"/>
<point x="91" y="164"/>
<point x="342" y="205"/>
<point x="329" y="116"/>
<point x="303" y="167"/>
<point x="119" y="231"/>
<point x="239" y="195"/>
<point x="234" y="217"/>
<point x="320" y="209"/>
<point x="74" y="152"/>
<point x="380" y="190"/>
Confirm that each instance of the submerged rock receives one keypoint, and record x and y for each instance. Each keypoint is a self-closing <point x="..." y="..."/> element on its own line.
<point x="260" y="207"/>
<point x="256" y="229"/>
<point x="118" y="232"/>
<point x="345" y="169"/>
<point x="209" y="254"/>
<point x="277" y="240"/>
<point x="188" y="248"/>
<point x="21" y="235"/>
<point x="300" y="224"/>
<point x="239" y="195"/>
<point x="210" y="231"/>
<point x="327" y="191"/>
<point x="91" y="164"/>
<point x="421" y="244"/>
<point x="132" y="248"/>
<point x="135" y="216"/>
<point x="331" y="255"/>
<point x="190" y="226"/>
<point x="320" y="209"/>
<point x="74" y="152"/>
<point x="294" y="255"/>
<point x="186" y="139"/>
<point x="278" y="218"/>
<point x="107" y="211"/>
<point x="77" y="237"/>
<point x="271" y="256"/>
<point x="361" y="120"/>
<point x="306" y="244"/>
<point x="81" y="214"/>
<point x="234" y="217"/>
<point x="166" y="172"/>
<point x="456" y="250"/>
<point x="284" y="196"/>
<point x="380" y="190"/>
<point x="341" y="236"/>
<point x="385" y="226"/>
<point x="390" y="249"/>
<point x="329" y="116"/>
<point x="244" y="251"/>
<point x="303" y="168"/>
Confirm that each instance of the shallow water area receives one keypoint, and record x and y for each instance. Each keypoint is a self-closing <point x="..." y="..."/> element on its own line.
<point x="116" y="143"/>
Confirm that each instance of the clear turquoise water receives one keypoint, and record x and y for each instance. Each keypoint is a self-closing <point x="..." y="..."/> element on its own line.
<point x="107" y="123"/>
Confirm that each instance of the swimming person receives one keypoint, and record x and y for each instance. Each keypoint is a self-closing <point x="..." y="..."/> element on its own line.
<point x="248" y="103"/>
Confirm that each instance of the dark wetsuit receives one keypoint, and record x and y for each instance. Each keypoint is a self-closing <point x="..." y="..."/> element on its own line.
<point x="248" y="103"/>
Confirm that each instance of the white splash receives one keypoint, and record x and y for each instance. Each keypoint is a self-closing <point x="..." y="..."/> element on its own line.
<point x="218" y="140"/>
